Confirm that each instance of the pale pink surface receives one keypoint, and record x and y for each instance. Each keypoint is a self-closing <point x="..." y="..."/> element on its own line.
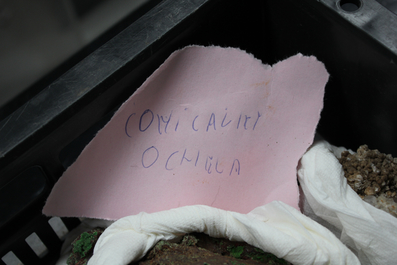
<point x="218" y="108"/>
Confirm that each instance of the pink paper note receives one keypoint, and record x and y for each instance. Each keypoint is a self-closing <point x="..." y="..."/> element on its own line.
<point x="211" y="126"/>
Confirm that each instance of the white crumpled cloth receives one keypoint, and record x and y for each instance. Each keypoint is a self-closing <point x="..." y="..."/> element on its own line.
<point x="371" y="233"/>
<point x="275" y="227"/>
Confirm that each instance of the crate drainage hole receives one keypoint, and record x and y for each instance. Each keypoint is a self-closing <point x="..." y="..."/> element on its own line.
<point x="37" y="245"/>
<point x="350" y="5"/>
<point x="11" y="259"/>
<point x="59" y="227"/>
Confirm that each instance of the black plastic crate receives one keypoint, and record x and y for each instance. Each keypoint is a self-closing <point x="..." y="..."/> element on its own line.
<point x="45" y="134"/>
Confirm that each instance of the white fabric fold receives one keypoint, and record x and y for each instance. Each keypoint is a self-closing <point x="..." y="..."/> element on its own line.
<point x="371" y="233"/>
<point x="275" y="227"/>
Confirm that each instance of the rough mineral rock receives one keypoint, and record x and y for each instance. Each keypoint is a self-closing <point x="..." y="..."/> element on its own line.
<point x="373" y="175"/>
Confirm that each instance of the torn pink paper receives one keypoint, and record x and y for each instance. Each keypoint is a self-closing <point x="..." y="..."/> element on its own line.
<point x="211" y="126"/>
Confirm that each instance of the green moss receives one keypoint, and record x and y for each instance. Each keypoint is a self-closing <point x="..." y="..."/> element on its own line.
<point x="266" y="257"/>
<point x="189" y="240"/>
<point x="84" y="244"/>
<point x="235" y="251"/>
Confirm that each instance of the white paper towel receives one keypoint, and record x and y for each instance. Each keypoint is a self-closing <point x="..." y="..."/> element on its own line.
<point x="371" y="233"/>
<point x="275" y="227"/>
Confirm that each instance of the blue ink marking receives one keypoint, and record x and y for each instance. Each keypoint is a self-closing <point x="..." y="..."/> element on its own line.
<point x="259" y="115"/>
<point x="143" y="155"/>
<point x="216" y="168"/>
<point x="140" y="120"/>
<point x="222" y="124"/>
<point x="176" y="127"/>
<point x="166" y="163"/>
<point x="194" y="120"/>
<point x="184" y="157"/>
<point x="206" y="163"/>
<point x="167" y="121"/>
<point x="245" y="123"/>
<point x="198" y="155"/>
<point x="238" y="124"/>
<point x="237" y="169"/>
<point x="212" y="118"/>
<point x="126" y="124"/>
<point x="159" y="129"/>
